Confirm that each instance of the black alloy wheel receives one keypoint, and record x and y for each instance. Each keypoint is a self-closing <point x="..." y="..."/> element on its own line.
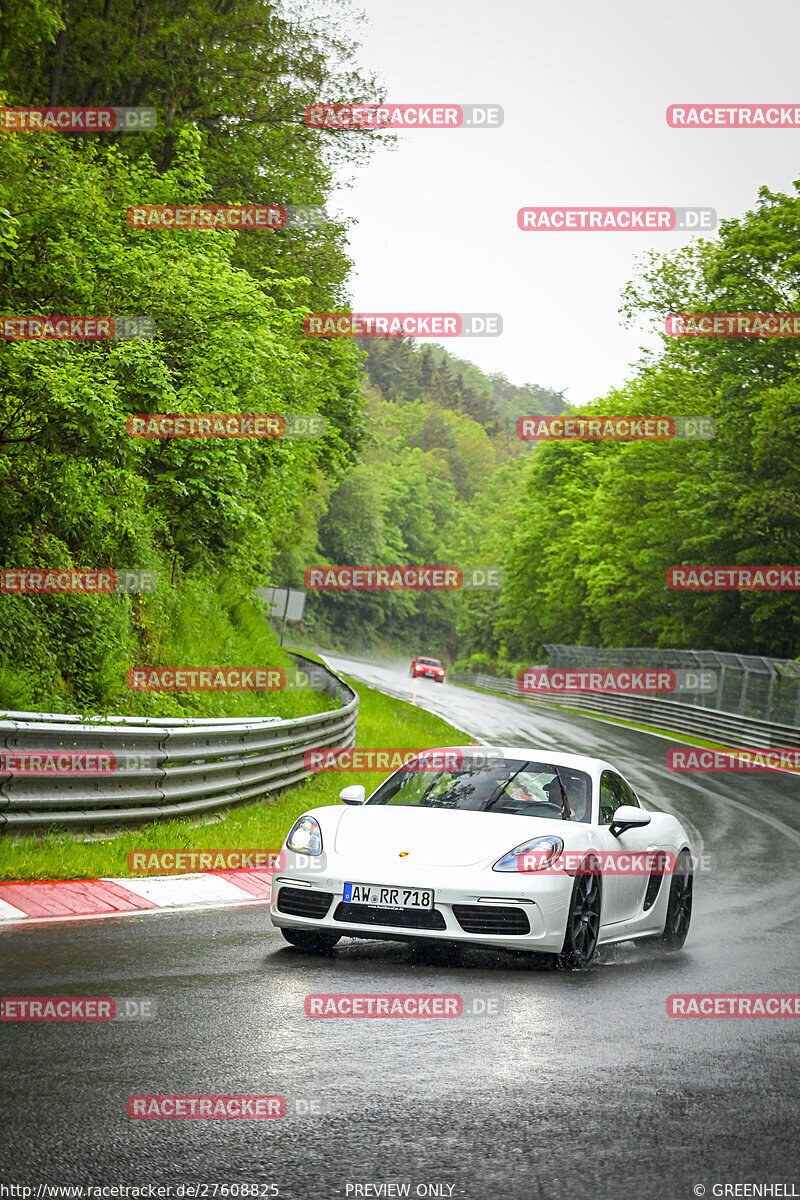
<point x="583" y="922"/>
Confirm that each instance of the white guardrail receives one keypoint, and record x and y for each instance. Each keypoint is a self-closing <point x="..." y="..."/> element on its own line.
<point x="166" y="767"/>
<point x="730" y="729"/>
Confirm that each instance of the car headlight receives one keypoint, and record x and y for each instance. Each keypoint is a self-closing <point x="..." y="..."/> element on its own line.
<point x="305" y="836"/>
<point x="543" y="851"/>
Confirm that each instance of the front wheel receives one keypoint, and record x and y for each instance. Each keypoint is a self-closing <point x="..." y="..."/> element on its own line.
<point x="679" y="905"/>
<point x="311" y="940"/>
<point x="583" y="922"/>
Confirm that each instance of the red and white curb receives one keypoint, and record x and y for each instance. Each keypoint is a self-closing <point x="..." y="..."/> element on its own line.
<point x="69" y="899"/>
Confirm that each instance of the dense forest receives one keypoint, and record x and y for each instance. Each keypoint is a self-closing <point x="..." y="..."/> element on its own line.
<point x="585" y="530"/>
<point x="229" y="82"/>
<point x="441" y="439"/>
<point x="420" y="464"/>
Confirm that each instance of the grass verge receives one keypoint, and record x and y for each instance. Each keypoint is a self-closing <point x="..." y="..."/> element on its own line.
<point x="258" y="825"/>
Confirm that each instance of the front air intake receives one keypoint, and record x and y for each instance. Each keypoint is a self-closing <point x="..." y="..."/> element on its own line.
<point x="500" y="920"/>
<point x="304" y="902"/>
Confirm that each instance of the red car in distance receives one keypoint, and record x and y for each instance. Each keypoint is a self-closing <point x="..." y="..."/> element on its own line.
<point x="429" y="668"/>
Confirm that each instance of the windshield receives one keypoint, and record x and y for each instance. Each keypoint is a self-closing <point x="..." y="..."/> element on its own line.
<point x="503" y="785"/>
<point x="430" y="662"/>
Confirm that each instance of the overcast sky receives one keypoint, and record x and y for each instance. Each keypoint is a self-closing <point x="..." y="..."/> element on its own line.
<point x="584" y="87"/>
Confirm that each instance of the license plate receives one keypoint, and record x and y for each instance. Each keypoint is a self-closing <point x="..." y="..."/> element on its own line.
<point x="378" y="896"/>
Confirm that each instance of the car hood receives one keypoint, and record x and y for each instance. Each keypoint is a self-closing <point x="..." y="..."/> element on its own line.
<point x="435" y="836"/>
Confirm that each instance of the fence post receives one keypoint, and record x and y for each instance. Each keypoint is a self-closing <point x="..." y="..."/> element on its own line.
<point x="770" y="692"/>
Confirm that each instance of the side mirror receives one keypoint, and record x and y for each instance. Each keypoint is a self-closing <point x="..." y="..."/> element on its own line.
<point x="628" y="816"/>
<point x="356" y="793"/>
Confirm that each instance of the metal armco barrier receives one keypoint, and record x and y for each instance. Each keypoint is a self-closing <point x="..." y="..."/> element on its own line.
<point x="726" y="728"/>
<point x="193" y="764"/>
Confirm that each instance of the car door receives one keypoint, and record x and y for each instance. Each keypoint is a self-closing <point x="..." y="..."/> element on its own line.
<point x="627" y="889"/>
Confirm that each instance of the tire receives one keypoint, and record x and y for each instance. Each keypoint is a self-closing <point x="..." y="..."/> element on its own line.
<point x="583" y="921"/>
<point x="679" y="905"/>
<point x="311" y="940"/>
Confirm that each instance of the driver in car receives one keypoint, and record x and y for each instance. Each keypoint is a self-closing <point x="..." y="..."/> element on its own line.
<point x="527" y="791"/>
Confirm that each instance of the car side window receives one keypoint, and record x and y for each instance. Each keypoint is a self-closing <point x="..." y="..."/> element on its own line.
<point x="628" y="793"/>
<point x="405" y="789"/>
<point x="418" y="788"/>
<point x="614" y="792"/>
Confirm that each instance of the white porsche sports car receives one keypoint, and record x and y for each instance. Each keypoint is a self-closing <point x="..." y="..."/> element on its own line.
<point x="516" y="848"/>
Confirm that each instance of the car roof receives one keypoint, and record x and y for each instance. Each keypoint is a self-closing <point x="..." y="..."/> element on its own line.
<point x="579" y="762"/>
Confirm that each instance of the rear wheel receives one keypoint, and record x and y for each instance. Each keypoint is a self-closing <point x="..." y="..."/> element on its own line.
<point x="679" y="905"/>
<point x="583" y="922"/>
<point x="311" y="940"/>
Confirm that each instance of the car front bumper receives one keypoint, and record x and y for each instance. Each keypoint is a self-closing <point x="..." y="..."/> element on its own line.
<point x="488" y="912"/>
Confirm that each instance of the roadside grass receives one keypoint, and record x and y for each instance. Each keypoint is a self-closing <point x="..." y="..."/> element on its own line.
<point x="258" y="825"/>
<point x="78" y="655"/>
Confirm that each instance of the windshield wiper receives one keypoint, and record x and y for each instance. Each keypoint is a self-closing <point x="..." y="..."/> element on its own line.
<point x="565" y="815"/>
<point x="501" y="788"/>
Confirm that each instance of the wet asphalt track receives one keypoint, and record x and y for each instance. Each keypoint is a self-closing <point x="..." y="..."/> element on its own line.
<point x="580" y="1087"/>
